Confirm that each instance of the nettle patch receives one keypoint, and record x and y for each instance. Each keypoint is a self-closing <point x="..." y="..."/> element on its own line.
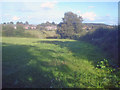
<point x="112" y="73"/>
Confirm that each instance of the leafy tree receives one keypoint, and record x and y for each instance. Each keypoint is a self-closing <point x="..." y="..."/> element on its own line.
<point x="26" y="23"/>
<point x="47" y="23"/>
<point x="4" y="23"/>
<point x="18" y="22"/>
<point x="53" y="23"/>
<point x="8" y="30"/>
<point x="11" y="23"/>
<point x="8" y="23"/>
<point x="19" y="31"/>
<point x="71" y="25"/>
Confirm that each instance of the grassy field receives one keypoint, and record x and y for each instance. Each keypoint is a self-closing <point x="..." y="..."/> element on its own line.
<point x="36" y="63"/>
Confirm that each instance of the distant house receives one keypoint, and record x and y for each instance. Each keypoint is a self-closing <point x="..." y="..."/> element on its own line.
<point x="26" y="27"/>
<point x="109" y="27"/>
<point x="53" y="27"/>
<point x="87" y="28"/>
<point x="32" y="27"/>
<point x="84" y="27"/>
<point x="29" y="27"/>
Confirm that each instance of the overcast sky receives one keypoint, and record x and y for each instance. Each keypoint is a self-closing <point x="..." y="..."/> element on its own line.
<point x="40" y="12"/>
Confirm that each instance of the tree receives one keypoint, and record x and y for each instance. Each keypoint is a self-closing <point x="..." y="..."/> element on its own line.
<point x="18" y="22"/>
<point x="48" y="23"/>
<point x="11" y="23"/>
<point x="8" y="30"/>
<point x="8" y="23"/>
<point x="53" y="23"/>
<point x="4" y="23"/>
<point x="26" y="23"/>
<point x="71" y="25"/>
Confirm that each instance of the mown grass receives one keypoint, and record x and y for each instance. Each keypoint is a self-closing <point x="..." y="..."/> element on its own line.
<point x="36" y="63"/>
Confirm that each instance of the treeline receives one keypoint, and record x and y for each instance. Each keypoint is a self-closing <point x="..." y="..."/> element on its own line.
<point x="43" y="26"/>
<point x="18" y="22"/>
<point x="9" y="31"/>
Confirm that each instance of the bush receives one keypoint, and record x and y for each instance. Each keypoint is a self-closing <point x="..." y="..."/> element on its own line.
<point x="8" y="30"/>
<point x="103" y="64"/>
<point x="106" y="39"/>
<point x="113" y="75"/>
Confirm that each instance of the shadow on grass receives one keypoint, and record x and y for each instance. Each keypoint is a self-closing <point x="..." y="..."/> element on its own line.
<point x="81" y="50"/>
<point x="21" y="68"/>
<point x="85" y="51"/>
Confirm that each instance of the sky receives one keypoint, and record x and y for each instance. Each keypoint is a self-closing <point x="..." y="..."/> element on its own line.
<point x="40" y="12"/>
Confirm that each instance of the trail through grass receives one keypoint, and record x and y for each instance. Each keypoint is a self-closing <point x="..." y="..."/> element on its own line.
<point x="30" y="62"/>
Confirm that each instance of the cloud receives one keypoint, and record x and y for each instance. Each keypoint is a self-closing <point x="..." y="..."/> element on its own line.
<point x="89" y="16"/>
<point x="104" y="19"/>
<point x="48" y="5"/>
<point x="15" y="18"/>
<point x="31" y="7"/>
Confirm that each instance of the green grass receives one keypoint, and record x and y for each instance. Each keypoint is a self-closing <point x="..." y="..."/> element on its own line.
<point x="32" y="62"/>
